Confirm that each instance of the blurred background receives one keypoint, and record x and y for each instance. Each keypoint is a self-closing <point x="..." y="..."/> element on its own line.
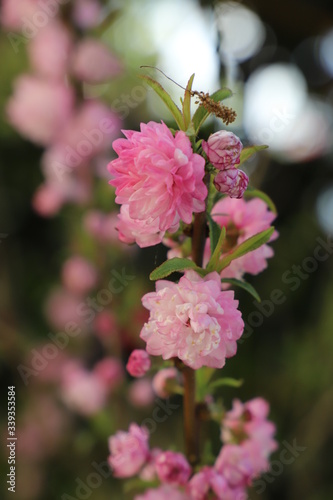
<point x="70" y="310"/>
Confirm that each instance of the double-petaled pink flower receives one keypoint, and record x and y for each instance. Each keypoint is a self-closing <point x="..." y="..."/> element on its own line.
<point x="138" y="363"/>
<point x="129" y="451"/>
<point x="159" y="178"/>
<point x="192" y="320"/>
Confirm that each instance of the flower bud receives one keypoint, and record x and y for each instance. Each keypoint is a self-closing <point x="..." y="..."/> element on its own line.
<point x="223" y="149"/>
<point x="232" y="182"/>
<point x="138" y="363"/>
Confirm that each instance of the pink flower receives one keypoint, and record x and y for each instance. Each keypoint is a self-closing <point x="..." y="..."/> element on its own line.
<point x="223" y="149"/>
<point x="140" y="393"/>
<point x="88" y="133"/>
<point x="61" y="310"/>
<point x="39" y="109"/>
<point x="110" y="372"/>
<point x="165" y="492"/>
<point x="49" y="50"/>
<point x="93" y="62"/>
<point x="14" y="13"/>
<point x="144" y="232"/>
<point x="192" y="320"/>
<point x="138" y="363"/>
<point x="87" y="13"/>
<point x="172" y="468"/>
<point x="235" y="465"/>
<point x="82" y="391"/>
<point x="158" y="176"/>
<point x="129" y="451"/>
<point x="208" y="482"/>
<point x="79" y="275"/>
<point x="160" y="380"/>
<point x="47" y="200"/>
<point x="243" y="219"/>
<point x="232" y="182"/>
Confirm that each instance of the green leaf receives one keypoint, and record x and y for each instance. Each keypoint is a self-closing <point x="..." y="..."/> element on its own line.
<point x="248" y="152"/>
<point x="231" y="382"/>
<point x="187" y="103"/>
<point x="243" y="284"/>
<point x="247" y="246"/>
<point x="256" y="193"/>
<point x="214" y="233"/>
<point x="201" y="114"/>
<point x="163" y="94"/>
<point x="213" y="261"/>
<point x="172" y="266"/>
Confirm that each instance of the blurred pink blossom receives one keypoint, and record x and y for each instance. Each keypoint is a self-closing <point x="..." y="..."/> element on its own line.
<point x="110" y="372"/>
<point x="14" y="13"/>
<point x="90" y="132"/>
<point x="140" y="393"/>
<point x="87" y="13"/>
<point x="138" y="363"/>
<point x="209" y="482"/>
<point x="47" y="200"/>
<point x="61" y="309"/>
<point x="93" y="62"/>
<point x="172" y="468"/>
<point x="129" y="451"/>
<point x="49" y="50"/>
<point x="164" y="492"/>
<point x="192" y="320"/>
<point x="160" y="380"/>
<point x="105" y="324"/>
<point x="39" y="109"/>
<point x="79" y="275"/>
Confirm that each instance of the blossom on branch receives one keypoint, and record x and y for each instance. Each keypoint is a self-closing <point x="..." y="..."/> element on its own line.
<point x="192" y="320"/>
<point x="158" y="177"/>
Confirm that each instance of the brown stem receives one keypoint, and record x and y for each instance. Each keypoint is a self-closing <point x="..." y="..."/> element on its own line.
<point x="191" y="423"/>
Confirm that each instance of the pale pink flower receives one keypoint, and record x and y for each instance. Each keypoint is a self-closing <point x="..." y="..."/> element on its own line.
<point x="223" y="149"/>
<point x="192" y="320"/>
<point x="143" y="232"/>
<point x="164" y="492"/>
<point x="39" y="109"/>
<point x="87" y="13"/>
<point x="140" y="393"/>
<point x="110" y="373"/>
<point x="93" y="62"/>
<point x="235" y="465"/>
<point x="160" y="380"/>
<point x="208" y="482"/>
<point x="158" y="176"/>
<point x="14" y="14"/>
<point x="49" y="50"/>
<point x="90" y="132"/>
<point x="232" y="182"/>
<point x="82" y="390"/>
<point x="243" y="219"/>
<point x="148" y="473"/>
<point x="129" y="451"/>
<point x="47" y="200"/>
<point x="61" y="309"/>
<point x="172" y="468"/>
<point x="79" y="275"/>
<point x="138" y="363"/>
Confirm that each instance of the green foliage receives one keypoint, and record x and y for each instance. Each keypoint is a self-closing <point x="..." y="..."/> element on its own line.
<point x="242" y="284"/>
<point x="172" y="266"/>
<point x="248" y="152"/>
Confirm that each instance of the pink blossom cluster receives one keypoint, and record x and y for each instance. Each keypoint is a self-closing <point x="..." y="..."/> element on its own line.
<point x="159" y="182"/>
<point x="192" y="320"/>
<point x="44" y="106"/>
<point x="86" y="391"/>
<point x="248" y="443"/>
<point x="223" y="151"/>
